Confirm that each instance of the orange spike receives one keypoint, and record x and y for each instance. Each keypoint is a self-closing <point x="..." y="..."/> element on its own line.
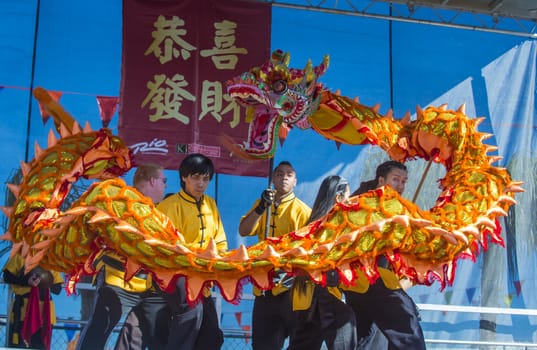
<point x="76" y="128"/>
<point x="25" y="168"/>
<point x="376" y="108"/>
<point x="15" y="189"/>
<point x="37" y="150"/>
<point x="485" y="136"/>
<point x="420" y="222"/>
<point x="356" y="99"/>
<point x="64" y="132"/>
<point x="389" y="114"/>
<point x="517" y="184"/>
<point x="497" y="211"/>
<point x="15" y="249"/>
<point x="490" y="148"/>
<point x="478" y="121"/>
<point x="7" y="211"/>
<point x="506" y="199"/>
<point x="338" y="92"/>
<point x="42" y="245"/>
<point x="52" y="139"/>
<point x="99" y="216"/>
<point x="87" y="127"/>
<point x="124" y="226"/>
<point x="52" y="232"/>
<point x="494" y="159"/>
<point x="323" y="248"/>
<point x="401" y="220"/>
<point x="269" y="252"/>
<point x="240" y="254"/>
<point x="419" y="111"/>
<point x="406" y="119"/>
<point x="211" y="252"/>
<point x="6" y="236"/>
<point x="462" y="108"/>
<point x="443" y="107"/>
<point x="33" y="261"/>
<point x="24" y="249"/>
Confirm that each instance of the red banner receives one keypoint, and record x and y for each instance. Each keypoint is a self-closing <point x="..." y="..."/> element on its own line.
<point x="177" y="56"/>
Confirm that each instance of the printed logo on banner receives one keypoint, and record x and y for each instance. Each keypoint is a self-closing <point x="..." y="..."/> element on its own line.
<point x="156" y="147"/>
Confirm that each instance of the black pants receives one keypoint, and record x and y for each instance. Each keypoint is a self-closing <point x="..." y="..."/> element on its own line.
<point x="272" y="321"/>
<point x="328" y="319"/>
<point x="111" y="303"/>
<point x="182" y="326"/>
<point x="135" y="335"/>
<point x="392" y="311"/>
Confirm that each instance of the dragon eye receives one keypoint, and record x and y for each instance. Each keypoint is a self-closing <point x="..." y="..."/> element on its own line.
<point x="279" y="86"/>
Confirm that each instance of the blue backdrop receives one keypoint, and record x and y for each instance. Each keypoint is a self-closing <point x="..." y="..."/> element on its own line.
<point x="75" y="47"/>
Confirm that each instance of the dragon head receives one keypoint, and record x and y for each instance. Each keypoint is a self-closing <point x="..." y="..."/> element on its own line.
<point x="108" y="157"/>
<point x="275" y="94"/>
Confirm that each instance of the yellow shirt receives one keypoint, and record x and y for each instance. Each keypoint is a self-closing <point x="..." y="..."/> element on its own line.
<point x="290" y="215"/>
<point x="361" y="284"/>
<point x="15" y="265"/>
<point x="198" y="226"/>
<point x="114" y="273"/>
<point x="197" y="222"/>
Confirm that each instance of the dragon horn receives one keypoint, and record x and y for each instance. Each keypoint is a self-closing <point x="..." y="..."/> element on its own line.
<point x="309" y="75"/>
<point x="278" y="56"/>
<point x="321" y="69"/>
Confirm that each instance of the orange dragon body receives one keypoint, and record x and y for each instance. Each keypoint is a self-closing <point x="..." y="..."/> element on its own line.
<point x="422" y="245"/>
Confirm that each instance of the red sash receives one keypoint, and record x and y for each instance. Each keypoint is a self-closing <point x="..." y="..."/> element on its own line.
<point x="35" y="320"/>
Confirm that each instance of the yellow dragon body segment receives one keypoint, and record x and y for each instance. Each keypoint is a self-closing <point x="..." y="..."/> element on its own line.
<point x="423" y="245"/>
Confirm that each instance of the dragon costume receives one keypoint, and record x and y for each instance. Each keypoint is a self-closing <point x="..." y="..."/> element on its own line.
<point x="423" y="245"/>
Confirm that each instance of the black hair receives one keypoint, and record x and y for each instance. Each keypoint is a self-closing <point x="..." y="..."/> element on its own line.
<point x="284" y="162"/>
<point x="382" y="171"/>
<point x="330" y="187"/>
<point x="195" y="163"/>
<point x="326" y="196"/>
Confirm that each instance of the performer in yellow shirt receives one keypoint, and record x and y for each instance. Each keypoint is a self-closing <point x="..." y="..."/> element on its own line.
<point x="196" y="216"/>
<point x="115" y="297"/>
<point x="27" y="328"/>
<point x="272" y="316"/>
<point x="385" y="304"/>
<point x="326" y="318"/>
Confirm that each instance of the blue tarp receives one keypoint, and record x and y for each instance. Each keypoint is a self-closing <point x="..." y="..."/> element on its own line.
<point x="75" y="48"/>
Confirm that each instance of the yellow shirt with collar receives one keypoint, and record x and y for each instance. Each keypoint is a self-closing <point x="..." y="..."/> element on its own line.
<point x="290" y="215"/>
<point x="197" y="222"/>
<point x="198" y="226"/>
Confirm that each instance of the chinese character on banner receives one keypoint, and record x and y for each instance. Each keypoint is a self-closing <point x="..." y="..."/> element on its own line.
<point x="177" y="56"/>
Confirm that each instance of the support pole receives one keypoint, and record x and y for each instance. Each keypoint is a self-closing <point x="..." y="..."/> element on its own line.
<point x="423" y="176"/>
<point x="267" y="216"/>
